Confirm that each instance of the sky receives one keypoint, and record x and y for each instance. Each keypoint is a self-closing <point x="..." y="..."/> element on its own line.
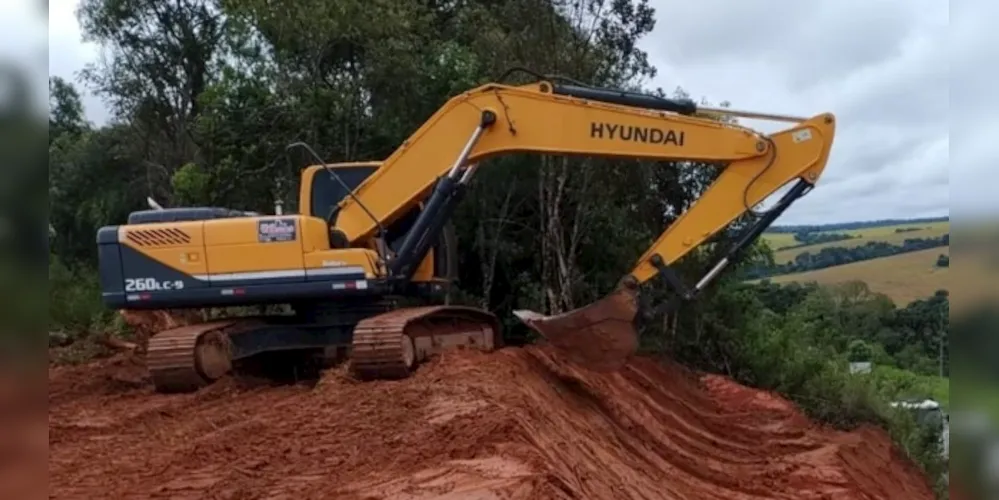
<point x="883" y="68"/>
<point x="880" y="66"/>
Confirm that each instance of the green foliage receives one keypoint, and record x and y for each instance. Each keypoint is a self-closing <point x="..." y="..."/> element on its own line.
<point x="787" y="355"/>
<point x="66" y="109"/>
<point x="897" y="384"/>
<point x="808" y="238"/>
<point x="908" y="338"/>
<point x="860" y="351"/>
<point x="920" y="442"/>
<point x="191" y="185"/>
<point x="943" y="260"/>
<point x="75" y="307"/>
<point x="798" y="341"/>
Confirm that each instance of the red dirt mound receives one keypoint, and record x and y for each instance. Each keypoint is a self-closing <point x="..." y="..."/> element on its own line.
<point x="518" y="423"/>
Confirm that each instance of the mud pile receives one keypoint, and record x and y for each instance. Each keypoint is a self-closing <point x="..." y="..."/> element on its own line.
<point x="518" y="423"/>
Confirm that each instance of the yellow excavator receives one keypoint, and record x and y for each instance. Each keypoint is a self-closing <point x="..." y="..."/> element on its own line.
<point x="370" y="236"/>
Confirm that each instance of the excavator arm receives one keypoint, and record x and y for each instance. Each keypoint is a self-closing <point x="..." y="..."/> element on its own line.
<point x="547" y="117"/>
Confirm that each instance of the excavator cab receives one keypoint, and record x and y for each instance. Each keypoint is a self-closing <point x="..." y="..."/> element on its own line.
<point x="325" y="186"/>
<point x="328" y="185"/>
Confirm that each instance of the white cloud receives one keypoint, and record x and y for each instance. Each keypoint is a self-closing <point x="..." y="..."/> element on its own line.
<point x="881" y="67"/>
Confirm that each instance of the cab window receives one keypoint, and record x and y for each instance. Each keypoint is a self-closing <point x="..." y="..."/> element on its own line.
<point x="327" y="192"/>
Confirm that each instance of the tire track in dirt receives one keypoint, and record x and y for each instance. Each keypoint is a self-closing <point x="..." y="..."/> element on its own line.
<point x="517" y="423"/>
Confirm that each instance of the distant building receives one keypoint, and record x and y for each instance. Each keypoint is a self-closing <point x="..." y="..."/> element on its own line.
<point x="860" y="367"/>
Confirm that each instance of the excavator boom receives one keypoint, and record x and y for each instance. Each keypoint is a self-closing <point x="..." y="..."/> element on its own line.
<point x="441" y="157"/>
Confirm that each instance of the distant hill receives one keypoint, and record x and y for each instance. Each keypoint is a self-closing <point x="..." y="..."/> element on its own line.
<point x="903" y="277"/>
<point x="786" y="249"/>
<point x="841" y="226"/>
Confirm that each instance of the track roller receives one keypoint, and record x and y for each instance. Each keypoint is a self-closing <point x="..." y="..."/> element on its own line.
<point x="391" y="345"/>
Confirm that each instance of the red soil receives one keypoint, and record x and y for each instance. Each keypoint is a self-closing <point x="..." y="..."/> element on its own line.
<point x="518" y="423"/>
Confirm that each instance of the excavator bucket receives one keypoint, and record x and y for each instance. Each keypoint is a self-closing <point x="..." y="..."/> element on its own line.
<point x="600" y="336"/>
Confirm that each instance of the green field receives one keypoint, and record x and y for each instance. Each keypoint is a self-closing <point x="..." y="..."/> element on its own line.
<point x="883" y="233"/>
<point x="904" y="277"/>
<point x="777" y="240"/>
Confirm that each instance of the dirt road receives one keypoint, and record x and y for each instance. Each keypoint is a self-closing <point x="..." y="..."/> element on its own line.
<point x="518" y="423"/>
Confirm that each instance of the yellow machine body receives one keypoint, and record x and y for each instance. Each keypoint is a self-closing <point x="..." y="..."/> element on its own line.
<point x="238" y="258"/>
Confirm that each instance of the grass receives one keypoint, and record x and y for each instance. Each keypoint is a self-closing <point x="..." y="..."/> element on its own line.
<point x="879" y="233"/>
<point x="884" y="233"/>
<point x="896" y="384"/>
<point x="777" y="240"/>
<point x="904" y="277"/>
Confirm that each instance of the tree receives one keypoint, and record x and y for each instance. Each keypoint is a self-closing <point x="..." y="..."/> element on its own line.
<point x="943" y="260"/>
<point x="163" y="56"/>
<point x="65" y="110"/>
<point x="860" y="351"/>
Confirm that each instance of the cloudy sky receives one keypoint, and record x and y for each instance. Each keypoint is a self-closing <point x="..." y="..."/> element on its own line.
<point x="882" y="67"/>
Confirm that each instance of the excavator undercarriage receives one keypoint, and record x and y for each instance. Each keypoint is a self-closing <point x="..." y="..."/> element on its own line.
<point x="379" y="339"/>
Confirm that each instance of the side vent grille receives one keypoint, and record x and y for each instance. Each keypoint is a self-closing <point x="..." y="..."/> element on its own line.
<point x="158" y="237"/>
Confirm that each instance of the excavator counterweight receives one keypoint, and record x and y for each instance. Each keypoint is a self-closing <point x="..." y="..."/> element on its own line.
<point x="372" y="235"/>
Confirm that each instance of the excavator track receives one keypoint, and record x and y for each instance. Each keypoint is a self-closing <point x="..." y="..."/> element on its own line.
<point x="383" y="346"/>
<point x="390" y="345"/>
<point x="190" y="357"/>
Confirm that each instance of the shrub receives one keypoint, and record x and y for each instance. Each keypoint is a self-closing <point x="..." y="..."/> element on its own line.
<point x="802" y="355"/>
<point x="75" y="307"/>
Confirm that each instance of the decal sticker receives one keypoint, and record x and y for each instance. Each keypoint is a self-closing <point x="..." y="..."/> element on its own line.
<point x="276" y="230"/>
<point x="628" y="133"/>
<point x="151" y="284"/>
